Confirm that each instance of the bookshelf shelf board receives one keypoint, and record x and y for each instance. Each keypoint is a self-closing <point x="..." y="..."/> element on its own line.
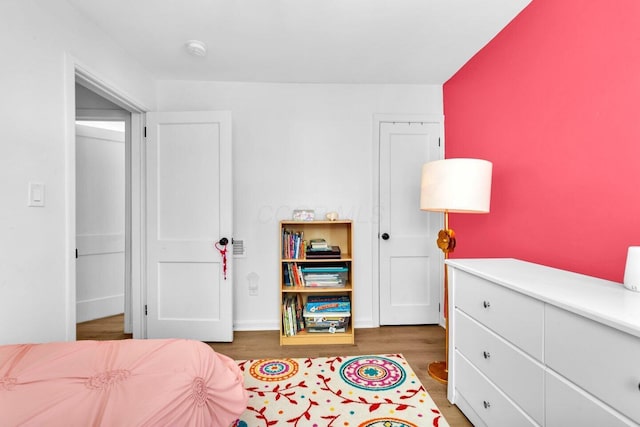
<point x="343" y="258"/>
<point x="311" y="338"/>
<point x="347" y="289"/>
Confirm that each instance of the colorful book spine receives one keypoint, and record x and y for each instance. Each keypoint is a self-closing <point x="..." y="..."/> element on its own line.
<point x="300" y="313"/>
<point x="292" y="315"/>
<point x="293" y="244"/>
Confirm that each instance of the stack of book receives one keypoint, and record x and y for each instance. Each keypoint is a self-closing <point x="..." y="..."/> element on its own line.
<point x="327" y="313"/>
<point x="318" y="244"/>
<point x="292" y="315"/>
<point x="320" y="249"/>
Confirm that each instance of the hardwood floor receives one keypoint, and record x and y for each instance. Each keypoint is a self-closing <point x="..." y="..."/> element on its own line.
<point x="108" y="328"/>
<point x="418" y="344"/>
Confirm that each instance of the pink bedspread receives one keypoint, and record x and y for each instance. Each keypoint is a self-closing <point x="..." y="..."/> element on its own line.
<point x="119" y="383"/>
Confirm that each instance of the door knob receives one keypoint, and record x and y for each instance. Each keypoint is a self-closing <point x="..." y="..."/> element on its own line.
<point x="223" y="242"/>
<point x="385" y="236"/>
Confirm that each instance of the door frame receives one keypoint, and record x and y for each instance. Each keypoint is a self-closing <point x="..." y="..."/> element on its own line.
<point x="76" y="72"/>
<point x="378" y="119"/>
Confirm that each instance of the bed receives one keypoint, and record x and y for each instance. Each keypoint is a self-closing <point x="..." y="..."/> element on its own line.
<point x="170" y="382"/>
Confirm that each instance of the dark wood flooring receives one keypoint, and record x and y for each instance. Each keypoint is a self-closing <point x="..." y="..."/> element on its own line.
<point x="418" y="344"/>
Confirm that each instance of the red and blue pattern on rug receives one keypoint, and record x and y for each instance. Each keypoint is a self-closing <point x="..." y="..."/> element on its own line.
<point x="349" y="391"/>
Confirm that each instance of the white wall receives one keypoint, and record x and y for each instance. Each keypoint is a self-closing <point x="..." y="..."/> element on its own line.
<point x="36" y="39"/>
<point x="299" y="146"/>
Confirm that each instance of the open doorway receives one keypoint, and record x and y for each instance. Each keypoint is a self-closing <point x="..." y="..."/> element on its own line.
<point x="103" y="130"/>
<point x="77" y="75"/>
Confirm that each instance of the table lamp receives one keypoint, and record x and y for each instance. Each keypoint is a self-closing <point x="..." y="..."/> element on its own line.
<point x="453" y="186"/>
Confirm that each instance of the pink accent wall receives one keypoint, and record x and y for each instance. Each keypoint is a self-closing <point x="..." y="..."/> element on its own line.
<point x="554" y="102"/>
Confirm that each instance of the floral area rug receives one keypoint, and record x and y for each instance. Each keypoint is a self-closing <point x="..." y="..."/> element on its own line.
<point x="351" y="391"/>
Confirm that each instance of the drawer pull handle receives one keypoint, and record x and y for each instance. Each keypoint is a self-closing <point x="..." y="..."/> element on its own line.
<point x="486" y="354"/>
<point x="486" y="304"/>
<point x="486" y="404"/>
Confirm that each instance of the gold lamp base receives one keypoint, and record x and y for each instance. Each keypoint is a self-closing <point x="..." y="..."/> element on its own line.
<point x="439" y="372"/>
<point x="446" y="242"/>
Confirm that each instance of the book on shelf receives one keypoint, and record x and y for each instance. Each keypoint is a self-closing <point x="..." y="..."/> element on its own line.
<point x="297" y="275"/>
<point x="285" y="320"/>
<point x="318" y="244"/>
<point x="300" y="312"/>
<point x="328" y="303"/>
<point x="332" y="252"/>
<point x="293" y="244"/>
<point x="292" y="315"/>
<point x="292" y="322"/>
<point x="286" y="279"/>
<point x="293" y="274"/>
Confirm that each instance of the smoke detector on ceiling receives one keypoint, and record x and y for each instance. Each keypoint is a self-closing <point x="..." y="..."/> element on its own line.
<point x="196" y="48"/>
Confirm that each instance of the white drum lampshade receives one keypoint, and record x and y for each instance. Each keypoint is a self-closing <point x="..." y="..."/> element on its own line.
<point x="456" y="186"/>
<point x="632" y="269"/>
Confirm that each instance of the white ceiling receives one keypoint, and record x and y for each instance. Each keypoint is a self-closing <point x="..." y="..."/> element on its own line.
<point x="306" y="41"/>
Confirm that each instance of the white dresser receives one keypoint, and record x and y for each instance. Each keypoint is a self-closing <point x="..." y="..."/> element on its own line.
<point x="536" y="346"/>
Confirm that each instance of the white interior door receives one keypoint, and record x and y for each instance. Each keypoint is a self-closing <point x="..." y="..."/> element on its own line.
<point x="410" y="262"/>
<point x="189" y="209"/>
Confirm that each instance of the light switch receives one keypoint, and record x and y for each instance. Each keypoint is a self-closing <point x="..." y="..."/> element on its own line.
<point x="36" y="194"/>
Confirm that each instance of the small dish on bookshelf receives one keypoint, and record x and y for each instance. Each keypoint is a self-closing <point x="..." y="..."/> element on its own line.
<point x="332" y="216"/>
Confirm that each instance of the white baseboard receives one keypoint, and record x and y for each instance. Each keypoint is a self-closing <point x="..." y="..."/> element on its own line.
<point x="96" y="244"/>
<point x="365" y="324"/>
<point x="256" y="325"/>
<point x="99" y="307"/>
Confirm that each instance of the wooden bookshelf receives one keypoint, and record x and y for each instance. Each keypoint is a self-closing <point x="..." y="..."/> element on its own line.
<point x="336" y="233"/>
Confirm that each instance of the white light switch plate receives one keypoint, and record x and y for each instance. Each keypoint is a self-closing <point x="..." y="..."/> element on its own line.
<point x="36" y="194"/>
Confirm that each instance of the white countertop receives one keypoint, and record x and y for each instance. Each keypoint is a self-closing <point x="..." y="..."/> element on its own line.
<point x="597" y="299"/>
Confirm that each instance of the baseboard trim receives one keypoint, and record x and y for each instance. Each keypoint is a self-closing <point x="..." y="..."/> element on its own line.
<point x="99" y="307"/>
<point x="256" y="325"/>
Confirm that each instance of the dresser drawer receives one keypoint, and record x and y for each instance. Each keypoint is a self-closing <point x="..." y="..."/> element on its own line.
<point x="568" y="405"/>
<point x="602" y="360"/>
<point x="519" y="376"/>
<point x="468" y="411"/>
<point x="514" y="316"/>
<point x="485" y="399"/>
